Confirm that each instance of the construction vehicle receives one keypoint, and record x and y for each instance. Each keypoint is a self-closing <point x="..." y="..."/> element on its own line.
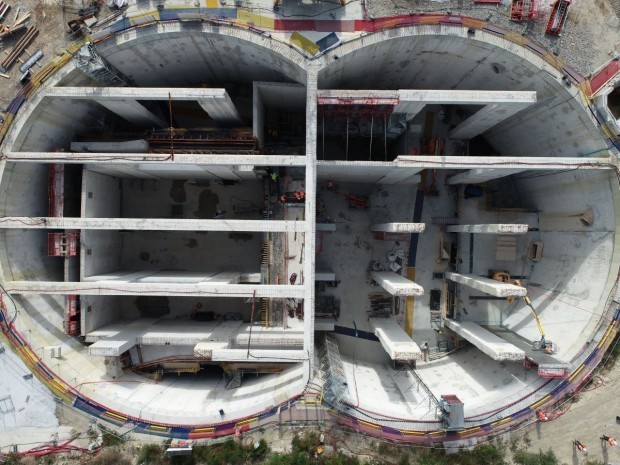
<point x="543" y="343"/>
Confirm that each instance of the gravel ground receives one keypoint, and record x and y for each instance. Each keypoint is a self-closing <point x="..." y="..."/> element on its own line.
<point x="592" y="30"/>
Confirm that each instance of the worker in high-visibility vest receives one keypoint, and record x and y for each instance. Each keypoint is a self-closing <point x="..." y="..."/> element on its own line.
<point x="580" y="446"/>
<point x="610" y="441"/>
<point x="542" y="416"/>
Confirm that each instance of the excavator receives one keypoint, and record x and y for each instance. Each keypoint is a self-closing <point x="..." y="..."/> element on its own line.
<point x="543" y="343"/>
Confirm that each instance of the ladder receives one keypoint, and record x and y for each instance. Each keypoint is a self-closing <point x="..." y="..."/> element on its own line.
<point x="558" y="16"/>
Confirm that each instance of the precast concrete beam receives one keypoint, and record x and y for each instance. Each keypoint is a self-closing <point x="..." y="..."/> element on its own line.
<point x="151" y="224"/>
<point x="200" y="159"/>
<point x="485" y="118"/>
<point x="216" y="102"/>
<point x="412" y="101"/>
<point x="399" y="227"/>
<point x="134" y="112"/>
<point x="487" y="342"/>
<point x="262" y="355"/>
<point x="398" y="345"/>
<point x="396" y="284"/>
<point x="399" y="175"/>
<point x="489" y="228"/>
<point x="356" y="97"/>
<point x="480" y="175"/>
<point x="525" y="163"/>
<point x="487" y="285"/>
<point x="166" y="289"/>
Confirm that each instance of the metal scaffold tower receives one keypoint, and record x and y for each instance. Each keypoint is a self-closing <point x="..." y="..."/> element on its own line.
<point x="90" y="62"/>
<point x="334" y="381"/>
<point x="521" y="10"/>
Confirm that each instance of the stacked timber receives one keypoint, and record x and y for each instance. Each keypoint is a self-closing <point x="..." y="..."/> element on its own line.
<point x="6" y="64"/>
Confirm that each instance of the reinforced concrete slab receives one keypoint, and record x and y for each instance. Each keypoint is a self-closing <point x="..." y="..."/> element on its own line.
<point x="489" y="228"/>
<point x="487" y="342"/>
<point x="487" y="285"/>
<point x="395" y="340"/>
<point x="396" y="284"/>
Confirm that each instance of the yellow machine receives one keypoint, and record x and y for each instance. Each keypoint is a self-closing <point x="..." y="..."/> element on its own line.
<point x="543" y="343"/>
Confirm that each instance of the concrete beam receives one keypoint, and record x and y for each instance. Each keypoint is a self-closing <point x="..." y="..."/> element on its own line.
<point x="357" y="97"/>
<point x="525" y="163"/>
<point x="151" y="224"/>
<point x="487" y="342"/>
<point x="399" y="227"/>
<point x="489" y="228"/>
<point x="480" y="175"/>
<point x="262" y="355"/>
<point x="167" y="289"/>
<point x="498" y="105"/>
<point x="216" y="102"/>
<point x="395" y="340"/>
<point x="134" y="112"/>
<point x="487" y="285"/>
<point x="484" y="119"/>
<point x="201" y="159"/>
<point x="397" y="176"/>
<point x="396" y="284"/>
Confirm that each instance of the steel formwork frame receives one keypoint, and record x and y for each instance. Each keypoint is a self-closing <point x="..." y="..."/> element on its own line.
<point x="522" y="9"/>
<point x="56" y="190"/>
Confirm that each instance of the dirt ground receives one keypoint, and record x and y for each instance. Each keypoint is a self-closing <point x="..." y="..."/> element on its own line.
<point x="590" y="417"/>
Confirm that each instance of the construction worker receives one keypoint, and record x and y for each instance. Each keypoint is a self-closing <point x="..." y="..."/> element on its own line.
<point x="542" y="416"/>
<point x="274" y="176"/>
<point x="610" y="441"/>
<point x="283" y="198"/>
<point x="297" y="196"/>
<point x="580" y="447"/>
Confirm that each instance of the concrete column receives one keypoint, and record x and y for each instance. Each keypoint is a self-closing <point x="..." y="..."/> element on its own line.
<point x="152" y="224"/>
<point x="168" y="289"/>
<point x="489" y="228"/>
<point x="396" y="284"/>
<point x="399" y="227"/>
<point x="480" y="175"/>
<point x="134" y="112"/>
<point x="113" y="367"/>
<point x="310" y="212"/>
<point x="487" y="285"/>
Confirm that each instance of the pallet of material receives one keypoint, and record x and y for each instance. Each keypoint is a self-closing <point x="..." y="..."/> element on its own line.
<point x="19" y="48"/>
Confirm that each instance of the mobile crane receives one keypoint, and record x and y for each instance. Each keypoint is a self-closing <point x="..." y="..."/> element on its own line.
<point x="543" y="343"/>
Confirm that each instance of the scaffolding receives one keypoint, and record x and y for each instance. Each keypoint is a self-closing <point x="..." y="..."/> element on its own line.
<point x="90" y="63"/>
<point x="335" y="387"/>
<point x="56" y="190"/>
<point x="521" y="10"/>
<point x="72" y="315"/>
<point x="62" y="244"/>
